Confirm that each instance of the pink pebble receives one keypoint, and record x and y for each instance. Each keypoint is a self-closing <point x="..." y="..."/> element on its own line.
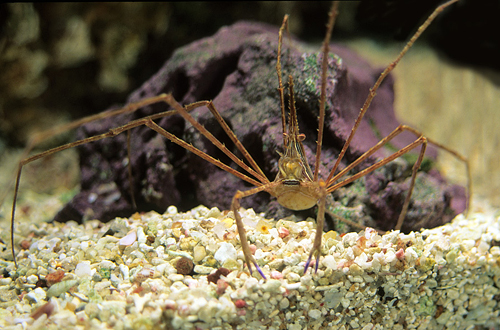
<point x="221" y="286"/>
<point x="276" y="275"/>
<point x="240" y="303"/>
<point x="283" y="232"/>
<point x="400" y="254"/>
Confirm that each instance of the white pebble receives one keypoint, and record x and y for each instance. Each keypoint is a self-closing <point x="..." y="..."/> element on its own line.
<point x="141" y="237"/>
<point x="124" y="270"/>
<point x="314" y="313"/>
<point x="293" y="277"/>
<point x="284" y="303"/>
<point x="172" y="209"/>
<point x="251" y="283"/>
<point x="204" y="270"/>
<point x="199" y="253"/>
<point x="390" y="256"/>
<point x="160" y="251"/>
<point x="213" y="213"/>
<point x="410" y="255"/>
<point x="271" y="286"/>
<point x="37" y="295"/>
<point x="225" y="251"/>
<point x="32" y="279"/>
<point x="61" y="287"/>
<point x="293" y="286"/>
<point x="468" y="244"/>
<point x="273" y="232"/>
<point x="176" y="277"/>
<point x="83" y="269"/>
<point x="170" y="241"/>
<point x="292" y="260"/>
<point x="129" y="239"/>
<point x="329" y="262"/>
<point x="107" y="264"/>
<point x="114" y="280"/>
<point x="102" y="285"/>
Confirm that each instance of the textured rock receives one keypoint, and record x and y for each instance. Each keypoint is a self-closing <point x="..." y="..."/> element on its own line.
<point x="236" y="68"/>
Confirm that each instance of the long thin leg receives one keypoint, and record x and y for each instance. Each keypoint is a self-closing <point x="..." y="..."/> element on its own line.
<point x="232" y="136"/>
<point x="147" y="121"/>
<point x="406" y="203"/>
<point x="373" y="90"/>
<point x="181" y="111"/>
<point x="387" y="139"/>
<point x="379" y="164"/>
<point x="455" y="154"/>
<point x="324" y="69"/>
<point x="401" y="128"/>
<point x="420" y="141"/>
<point x="320" y="221"/>
<point x="151" y="124"/>
<point x="235" y="206"/>
<point x="46" y="153"/>
<point x="280" y="82"/>
<point x="42" y="136"/>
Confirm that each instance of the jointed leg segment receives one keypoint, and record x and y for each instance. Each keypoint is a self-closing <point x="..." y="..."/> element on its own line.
<point x="320" y="221"/>
<point x="421" y="140"/>
<point x="235" y="206"/>
<point x="147" y="121"/>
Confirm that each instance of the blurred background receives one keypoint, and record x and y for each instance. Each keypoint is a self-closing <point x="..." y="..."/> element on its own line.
<point x="62" y="61"/>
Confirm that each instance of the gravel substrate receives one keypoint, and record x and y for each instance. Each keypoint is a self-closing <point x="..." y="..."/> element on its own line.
<point x="127" y="274"/>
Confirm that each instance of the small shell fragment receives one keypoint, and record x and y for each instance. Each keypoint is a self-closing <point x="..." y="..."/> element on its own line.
<point x="60" y="288"/>
<point x="129" y="239"/>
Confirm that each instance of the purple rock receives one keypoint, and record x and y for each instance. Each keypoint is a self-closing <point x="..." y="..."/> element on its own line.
<point x="236" y="69"/>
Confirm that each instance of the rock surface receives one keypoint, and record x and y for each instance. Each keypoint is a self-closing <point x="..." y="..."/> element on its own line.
<point x="236" y="69"/>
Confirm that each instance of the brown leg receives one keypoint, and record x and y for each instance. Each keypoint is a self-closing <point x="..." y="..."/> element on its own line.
<point x="373" y="90"/>
<point x="420" y="141"/>
<point x="235" y="206"/>
<point x="380" y="144"/>
<point x="45" y="135"/>
<point x="320" y="221"/>
<point x="209" y="104"/>
<point x="458" y="156"/>
<point x="415" y="168"/>
<point x="169" y="99"/>
<point x="324" y="67"/>
<point x="147" y="121"/>
<point x="280" y="82"/>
